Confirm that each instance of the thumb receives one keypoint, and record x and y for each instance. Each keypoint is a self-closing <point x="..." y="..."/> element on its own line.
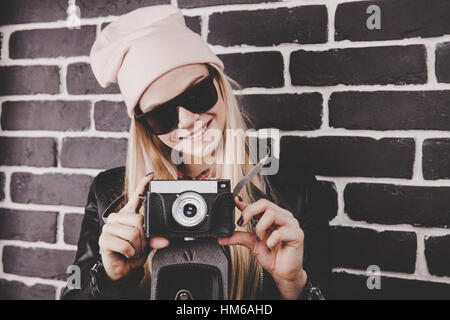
<point x="243" y="238"/>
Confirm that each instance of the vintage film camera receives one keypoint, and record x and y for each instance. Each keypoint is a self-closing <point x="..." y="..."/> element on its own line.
<point x="189" y="209"/>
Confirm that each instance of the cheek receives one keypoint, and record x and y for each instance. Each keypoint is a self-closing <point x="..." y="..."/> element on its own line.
<point x="220" y="112"/>
<point x="165" y="138"/>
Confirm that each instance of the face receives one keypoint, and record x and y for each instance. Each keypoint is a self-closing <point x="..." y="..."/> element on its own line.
<point x="197" y="135"/>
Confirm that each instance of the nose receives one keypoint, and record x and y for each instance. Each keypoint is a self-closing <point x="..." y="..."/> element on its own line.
<point x="186" y="118"/>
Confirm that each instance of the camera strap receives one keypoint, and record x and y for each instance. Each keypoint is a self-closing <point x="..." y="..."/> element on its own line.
<point x="190" y="270"/>
<point x="250" y="175"/>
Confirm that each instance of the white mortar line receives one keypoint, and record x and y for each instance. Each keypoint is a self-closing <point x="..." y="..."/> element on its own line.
<point x="393" y="181"/>
<point x="431" y="58"/>
<point x="399" y="275"/>
<point x="31" y="281"/>
<point x="325" y="111"/>
<point x="204" y="27"/>
<point x="418" y="170"/>
<point x="341" y="217"/>
<point x="92" y="120"/>
<point x="377" y="135"/>
<point x="421" y="261"/>
<point x="428" y="231"/>
<point x="331" y="10"/>
<point x="286" y="75"/>
<point x="38" y="245"/>
<point x="60" y="228"/>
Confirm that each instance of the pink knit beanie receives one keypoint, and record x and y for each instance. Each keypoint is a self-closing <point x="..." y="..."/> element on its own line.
<point x="139" y="46"/>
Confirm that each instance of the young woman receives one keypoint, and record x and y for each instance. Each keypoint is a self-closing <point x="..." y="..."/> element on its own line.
<point x="187" y="109"/>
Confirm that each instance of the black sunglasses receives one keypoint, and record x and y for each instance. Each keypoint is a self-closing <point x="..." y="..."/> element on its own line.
<point x="198" y="98"/>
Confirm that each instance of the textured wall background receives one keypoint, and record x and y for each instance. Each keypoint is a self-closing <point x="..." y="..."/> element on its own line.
<point x="369" y="108"/>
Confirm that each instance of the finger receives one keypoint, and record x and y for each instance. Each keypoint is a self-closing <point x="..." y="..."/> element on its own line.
<point x="286" y="235"/>
<point x="240" y="204"/>
<point x="268" y="219"/>
<point x="246" y="239"/>
<point x="127" y="233"/>
<point x="130" y="219"/>
<point x="109" y="243"/>
<point x="134" y="201"/>
<point x="158" y="242"/>
<point x="257" y="208"/>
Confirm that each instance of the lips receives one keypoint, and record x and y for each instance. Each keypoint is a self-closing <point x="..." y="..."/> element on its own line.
<point x="199" y="132"/>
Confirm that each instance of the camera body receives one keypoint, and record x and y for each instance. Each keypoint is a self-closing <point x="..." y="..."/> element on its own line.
<point x="189" y="209"/>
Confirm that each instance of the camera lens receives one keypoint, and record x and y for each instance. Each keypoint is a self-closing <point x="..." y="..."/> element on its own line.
<point x="189" y="210"/>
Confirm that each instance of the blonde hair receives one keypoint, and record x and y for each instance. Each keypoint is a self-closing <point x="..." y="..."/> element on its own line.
<point x="148" y="153"/>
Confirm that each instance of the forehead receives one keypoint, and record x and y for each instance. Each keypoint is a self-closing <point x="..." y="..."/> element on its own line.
<point x="171" y="84"/>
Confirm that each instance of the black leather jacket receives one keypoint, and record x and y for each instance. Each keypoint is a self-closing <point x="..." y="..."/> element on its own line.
<point x="301" y="197"/>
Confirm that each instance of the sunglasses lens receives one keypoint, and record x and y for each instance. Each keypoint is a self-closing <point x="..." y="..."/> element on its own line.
<point x="162" y="120"/>
<point x="202" y="98"/>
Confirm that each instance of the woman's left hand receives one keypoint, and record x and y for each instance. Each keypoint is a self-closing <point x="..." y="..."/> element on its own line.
<point x="277" y="244"/>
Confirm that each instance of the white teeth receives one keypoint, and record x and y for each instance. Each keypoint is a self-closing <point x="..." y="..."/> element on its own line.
<point x="198" y="133"/>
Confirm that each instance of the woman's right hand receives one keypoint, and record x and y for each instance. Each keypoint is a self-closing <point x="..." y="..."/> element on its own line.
<point x="123" y="245"/>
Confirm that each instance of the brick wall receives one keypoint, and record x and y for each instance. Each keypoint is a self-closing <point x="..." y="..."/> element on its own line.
<point x="370" y="109"/>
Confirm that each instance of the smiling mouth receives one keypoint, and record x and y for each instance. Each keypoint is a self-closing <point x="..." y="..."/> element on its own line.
<point x="199" y="132"/>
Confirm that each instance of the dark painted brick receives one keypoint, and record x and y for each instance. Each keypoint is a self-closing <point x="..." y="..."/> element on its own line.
<point x="400" y="19"/>
<point x="62" y="42"/>
<point x="93" y="152"/>
<point x="435" y="161"/>
<point x="268" y="27"/>
<point x="194" y="23"/>
<point x="24" y="11"/>
<point x="2" y="186"/>
<point x="357" y="66"/>
<point x="72" y="227"/>
<point x="206" y="3"/>
<point x="437" y="252"/>
<point x="81" y="80"/>
<point x="394" y="204"/>
<point x="15" y="290"/>
<point x="111" y="116"/>
<point x="350" y="156"/>
<point x="28" y="225"/>
<point x="328" y="199"/>
<point x="283" y="111"/>
<point x="36" y="152"/>
<point x="443" y="62"/>
<point x="359" y="248"/>
<point x="101" y="8"/>
<point x="390" y="110"/>
<point x="15" y="80"/>
<point x="255" y="69"/>
<point x="347" y="286"/>
<point x="50" y="188"/>
<point x="46" y="115"/>
<point x="37" y="262"/>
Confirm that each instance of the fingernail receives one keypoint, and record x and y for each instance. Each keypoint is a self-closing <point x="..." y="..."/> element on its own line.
<point x="148" y="174"/>
<point x="258" y="238"/>
<point x="240" y="221"/>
